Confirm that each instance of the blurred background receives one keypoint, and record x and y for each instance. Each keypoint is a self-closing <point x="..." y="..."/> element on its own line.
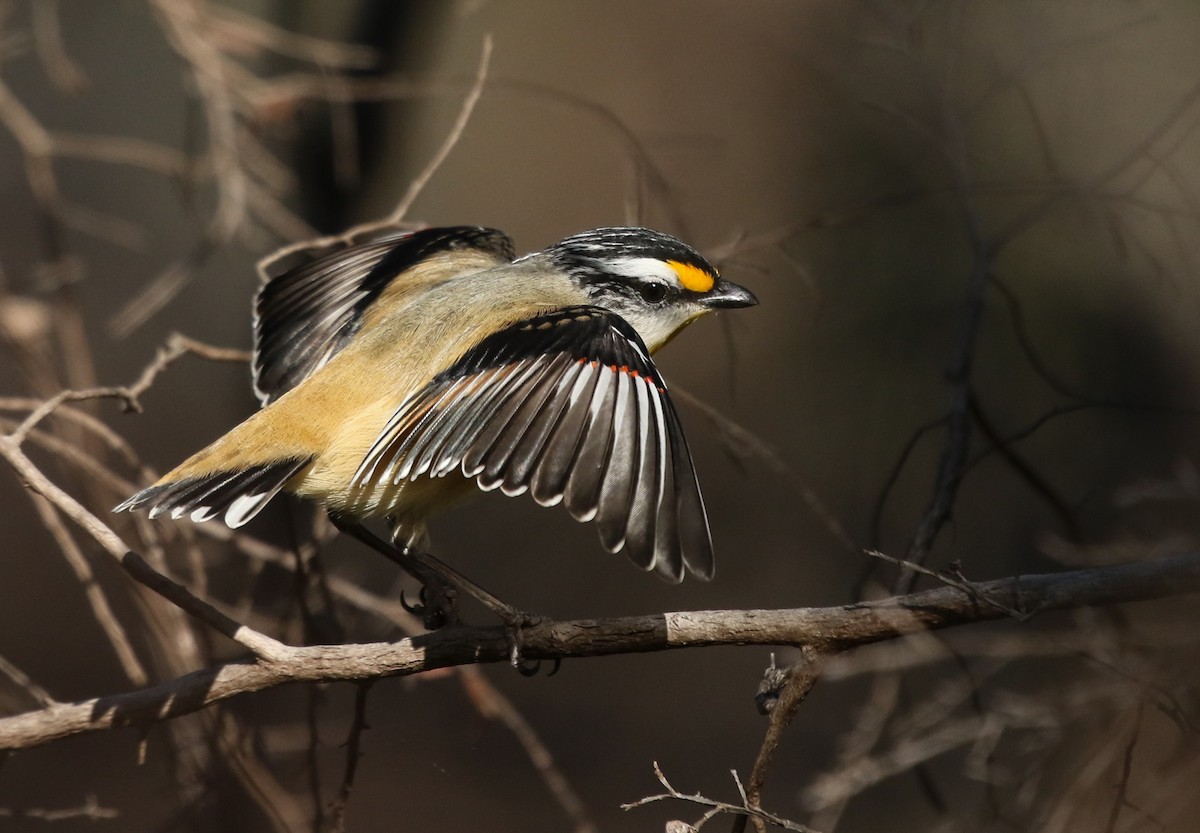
<point x="974" y="217"/>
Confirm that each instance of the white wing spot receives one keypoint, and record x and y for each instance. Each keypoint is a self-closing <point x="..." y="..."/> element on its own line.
<point x="243" y="509"/>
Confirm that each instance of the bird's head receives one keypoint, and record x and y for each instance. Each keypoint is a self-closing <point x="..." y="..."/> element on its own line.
<point x="655" y="282"/>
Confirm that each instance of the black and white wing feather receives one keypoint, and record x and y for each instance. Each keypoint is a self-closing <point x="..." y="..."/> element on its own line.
<point x="238" y="495"/>
<point x="567" y="406"/>
<point x="306" y="314"/>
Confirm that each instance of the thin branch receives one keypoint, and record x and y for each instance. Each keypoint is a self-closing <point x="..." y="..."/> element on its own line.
<point x="823" y="630"/>
<point x="741" y="441"/>
<point x="177" y="346"/>
<point x="47" y="34"/>
<point x="262" y="34"/>
<point x="460" y="124"/>
<point x="799" y="680"/>
<point x="952" y="463"/>
<point x="183" y="24"/>
<point x="1024" y="470"/>
<point x="238" y="752"/>
<point x="396" y="217"/>
<point x="955" y="580"/>
<point x="1138" y="152"/>
<point x="716" y="808"/>
<point x="260" y="644"/>
<point x="1122" y="797"/>
<point x="26" y="684"/>
<point x="353" y="754"/>
<point x="893" y="477"/>
<point x="90" y="810"/>
<point x="97" y="599"/>
<point x="492" y="704"/>
<point x="95" y="427"/>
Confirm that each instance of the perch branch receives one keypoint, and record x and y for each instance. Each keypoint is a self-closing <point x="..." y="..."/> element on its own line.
<point x="825" y="631"/>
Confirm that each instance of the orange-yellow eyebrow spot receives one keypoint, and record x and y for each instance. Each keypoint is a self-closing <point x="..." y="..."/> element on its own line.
<point x="692" y="277"/>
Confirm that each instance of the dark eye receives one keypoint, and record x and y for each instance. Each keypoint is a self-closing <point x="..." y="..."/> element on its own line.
<point x="653" y="293"/>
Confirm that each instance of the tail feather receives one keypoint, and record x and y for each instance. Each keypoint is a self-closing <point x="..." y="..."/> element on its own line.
<point x="239" y="495"/>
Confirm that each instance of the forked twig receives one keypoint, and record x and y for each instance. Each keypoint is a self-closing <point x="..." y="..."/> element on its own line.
<point x="716" y="808"/>
<point x="177" y="346"/>
<point x="952" y="579"/>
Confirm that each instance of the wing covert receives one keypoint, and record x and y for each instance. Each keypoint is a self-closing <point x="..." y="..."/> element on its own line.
<point x="568" y="406"/>
<point x="308" y="310"/>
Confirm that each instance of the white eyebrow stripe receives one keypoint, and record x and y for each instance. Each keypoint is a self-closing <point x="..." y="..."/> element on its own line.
<point x="642" y="268"/>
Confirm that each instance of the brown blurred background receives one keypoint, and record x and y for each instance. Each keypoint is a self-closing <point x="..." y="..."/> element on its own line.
<point x="852" y="163"/>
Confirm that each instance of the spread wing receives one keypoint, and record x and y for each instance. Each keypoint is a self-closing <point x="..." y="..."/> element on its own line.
<point x="568" y="406"/>
<point x="306" y="314"/>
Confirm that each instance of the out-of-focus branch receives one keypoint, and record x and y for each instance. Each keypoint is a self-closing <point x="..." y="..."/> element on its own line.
<point x="492" y="704"/>
<point x="397" y="216"/>
<point x="740" y="441"/>
<point x="25" y="684"/>
<point x="90" y="810"/>
<point x="259" y="644"/>
<point x="177" y="346"/>
<point x="825" y="631"/>
<point x="96" y="597"/>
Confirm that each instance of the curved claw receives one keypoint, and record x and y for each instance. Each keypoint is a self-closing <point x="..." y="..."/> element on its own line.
<point x="415" y="609"/>
<point x="527" y="668"/>
<point x="530" y="668"/>
<point x="432" y="617"/>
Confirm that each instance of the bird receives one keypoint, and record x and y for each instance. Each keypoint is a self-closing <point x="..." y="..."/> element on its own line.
<point x="403" y="370"/>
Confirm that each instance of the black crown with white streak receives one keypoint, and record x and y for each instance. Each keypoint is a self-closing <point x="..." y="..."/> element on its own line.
<point x="587" y="255"/>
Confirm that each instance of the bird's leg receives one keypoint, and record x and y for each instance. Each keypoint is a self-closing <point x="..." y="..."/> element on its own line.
<point x="438" y="600"/>
<point x="440" y="580"/>
<point x="514" y="619"/>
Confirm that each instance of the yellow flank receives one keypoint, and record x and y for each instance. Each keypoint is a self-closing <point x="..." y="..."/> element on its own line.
<point x="692" y="277"/>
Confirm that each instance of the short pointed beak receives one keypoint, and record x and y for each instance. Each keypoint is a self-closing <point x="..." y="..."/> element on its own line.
<point x="726" y="295"/>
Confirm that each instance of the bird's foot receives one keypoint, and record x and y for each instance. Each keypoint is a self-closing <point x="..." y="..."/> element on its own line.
<point x="437" y="605"/>
<point x="515" y="623"/>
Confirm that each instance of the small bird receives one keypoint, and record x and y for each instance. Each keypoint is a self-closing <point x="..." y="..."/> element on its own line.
<point x="407" y="369"/>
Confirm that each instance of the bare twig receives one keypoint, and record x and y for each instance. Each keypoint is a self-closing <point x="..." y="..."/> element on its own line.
<point x="23" y="681"/>
<point x="1122" y="797"/>
<point x="741" y="441"/>
<point x="716" y="808"/>
<point x="800" y="679"/>
<point x="492" y="704"/>
<point x="90" y="810"/>
<point x="824" y="631"/>
<point x="97" y="598"/>
<point x="415" y="188"/>
<point x="260" y="644"/>
<point x="47" y="33"/>
<point x="952" y="464"/>
<point x="353" y="754"/>
<point x="262" y="34"/>
<point x="953" y="580"/>
<point x="237" y="752"/>
<point x="177" y="346"/>
<point x="398" y="214"/>
<point x="893" y="476"/>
